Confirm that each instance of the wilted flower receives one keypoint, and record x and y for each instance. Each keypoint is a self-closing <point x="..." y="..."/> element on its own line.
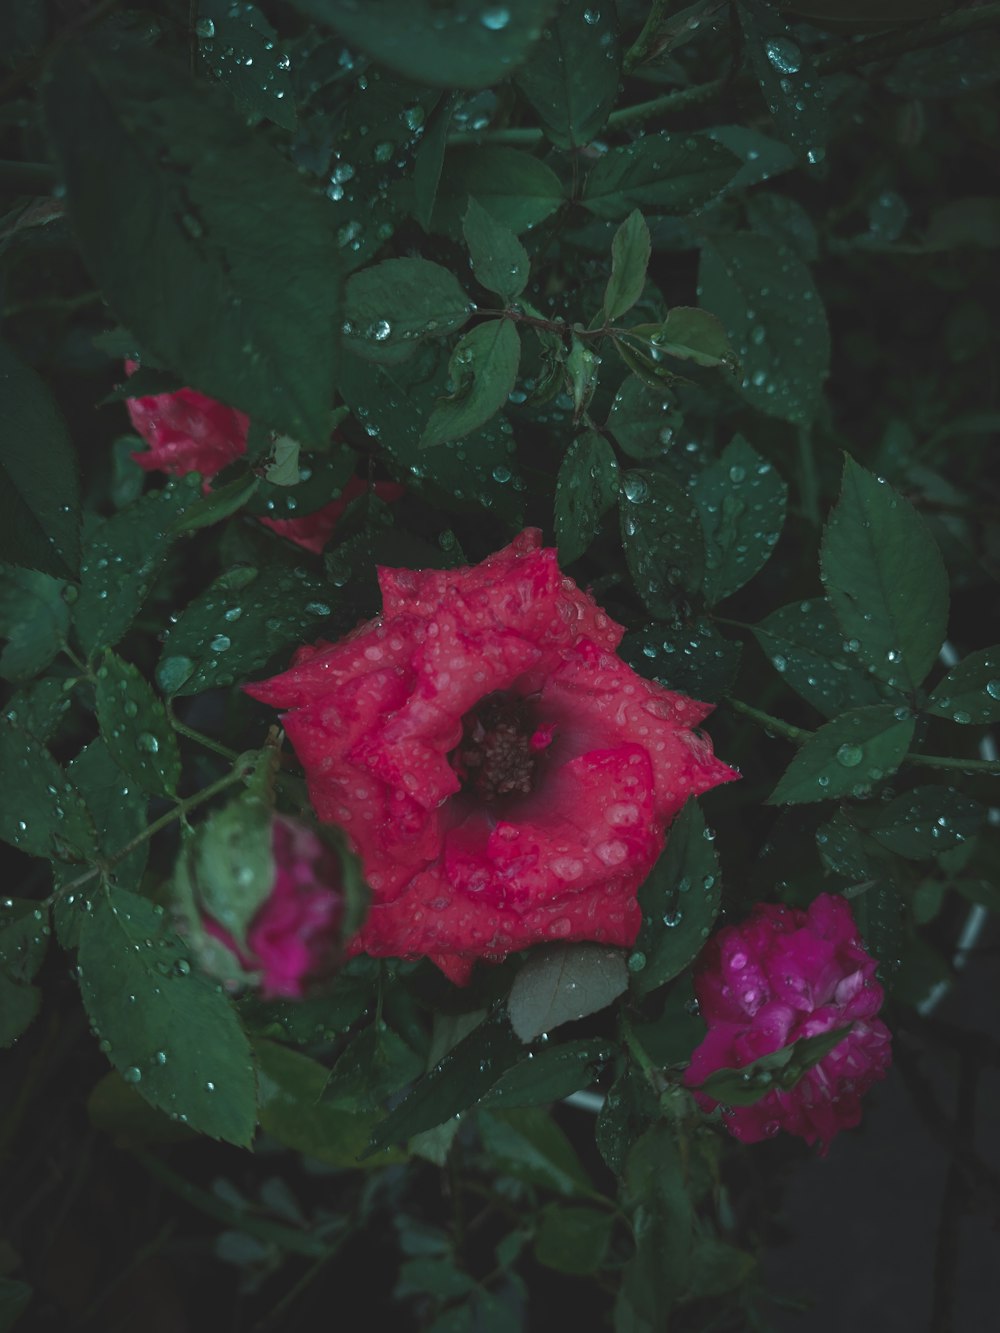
<point x="504" y="776"/>
<point x="781" y="976"/>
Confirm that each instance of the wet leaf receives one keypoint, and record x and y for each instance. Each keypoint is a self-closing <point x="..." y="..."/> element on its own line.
<point x="429" y="160"/>
<point x="772" y="313"/>
<point x="654" y="1194"/>
<point x="237" y="624"/>
<point x="571" y="76"/>
<point x="926" y="821"/>
<point x="847" y="755"/>
<point x="691" y="657"/>
<point x="120" y="561"/>
<point x="34" y="619"/>
<point x="515" y="188"/>
<point x="549" y="1074"/>
<point x="392" y="304"/>
<point x="237" y="45"/>
<point x="170" y="1032"/>
<point x="586" y="488"/>
<point x="40" y="706"/>
<point x="885" y="579"/>
<point x="499" y="260"/>
<point x="573" y="1240"/>
<point x="528" y="1145"/>
<point x="373" y="1068"/>
<point x="468" y="45"/>
<point x="630" y="249"/>
<point x="39" y="492"/>
<point x="665" y="173"/>
<point x="644" y="419"/>
<point x="694" y="335"/>
<point x="680" y="900"/>
<point x="177" y="218"/>
<point x="563" y="982"/>
<point x="782" y="1069"/>
<point x="741" y="502"/>
<point x="970" y="692"/>
<point x="482" y="369"/>
<point x="135" y="727"/>
<point x="787" y="78"/>
<point x="662" y="538"/>
<point x="807" y="648"/>
<point x="456" y="1082"/>
<point x="41" y="813"/>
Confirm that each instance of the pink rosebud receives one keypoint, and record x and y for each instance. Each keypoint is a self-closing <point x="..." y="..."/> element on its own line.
<point x="505" y="778"/>
<point x="294" y="936"/>
<point x="189" y="432"/>
<point x="780" y="976"/>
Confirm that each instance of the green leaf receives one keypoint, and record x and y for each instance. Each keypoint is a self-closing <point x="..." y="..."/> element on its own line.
<point x="122" y="558"/>
<point x="428" y="161"/>
<point x="135" y="727"/>
<point x="14" y="1300"/>
<point x="499" y="260"/>
<point x="178" y="1042"/>
<point x="372" y="1069"/>
<point x="219" y="503"/>
<point x="390" y="305"/>
<point x="630" y="1107"/>
<point x="41" y="813"/>
<point x="39" y="499"/>
<point x="667" y="173"/>
<point x="662" y="538"/>
<point x="654" y="1194"/>
<point x="464" y="45"/>
<point x="237" y="624"/>
<point x="643" y="418"/>
<point x="586" y="488"/>
<point x="691" y="657"/>
<point x="40" y="706"/>
<point x="630" y="248"/>
<point x="483" y="369"/>
<point x="762" y="157"/>
<point x="517" y="189"/>
<point x="741" y="504"/>
<point x="926" y="821"/>
<point x="563" y="982"/>
<point x="24" y="939"/>
<point x="717" y="1268"/>
<point x="573" y="1240"/>
<point x="680" y="901"/>
<point x="807" y="648"/>
<point x="791" y="86"/>
<point x="690" y="334"/>
<point x="783" y="1068"/>
<point x="291" y="1110"/>
<point x="970" y="692"/>
<point x="240" y="48"/>
<point x="177" y="217"/>
<point x="456" y="1082"/>
<point x="119" y="810"/>
<point x="318" y="478"/>
<point x="549" y="1074"/>
<point x="19" y="1005"/>
<point x="34" y="619"/>
<point x="847" y="755"/>
<point x="530" y="1146"/>
<point x="571" y="77"/>
<point x="886" y="579"/>
<point x="772" y="313"/>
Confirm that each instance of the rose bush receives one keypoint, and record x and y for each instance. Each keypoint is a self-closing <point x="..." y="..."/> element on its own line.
<point x="187" y="431"/>
<point x="504" y="776"/>
<point x="290" y="939"/>
<point x="782" y="975"/>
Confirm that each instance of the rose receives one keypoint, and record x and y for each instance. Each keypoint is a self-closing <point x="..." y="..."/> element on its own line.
<point x="294" y="937"/>
<point x="783" y="975"/>
<point x="189" y="432"/>
<point x="504" y="776"/>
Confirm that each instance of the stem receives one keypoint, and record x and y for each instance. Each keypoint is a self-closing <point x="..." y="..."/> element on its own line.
<point x="179" y="810"/>
<point x="988" y="766"/>
<point x="216" y="747"/>
<point x="807" y="469"/>
<point x="796" y="734"/>
<point x="675" y="101"/>
<point x="885" y="45"/>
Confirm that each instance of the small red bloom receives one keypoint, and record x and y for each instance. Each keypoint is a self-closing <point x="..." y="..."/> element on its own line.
<point x="782" y="975"/>
<point x="189" y="432"/>
<point x="504" y="776"/>
<point x="294" y="935"/>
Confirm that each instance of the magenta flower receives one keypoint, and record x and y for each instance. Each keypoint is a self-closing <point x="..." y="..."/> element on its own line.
<point x="782" y="975"/>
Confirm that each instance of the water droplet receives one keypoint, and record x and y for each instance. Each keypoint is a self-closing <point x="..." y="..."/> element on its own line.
<point x="148" y="742"/>
<point x="496" y="18"/>
<point x="205" y="28"/>
<point x="133" y="1074"/>
<point x="784" y="55"/>
<point x="962" y="717"/>
<point x="993" y="689"/>
<point x="850" y="755"/>
<point x="635" y="487"/>
<point x="637" y="961"/>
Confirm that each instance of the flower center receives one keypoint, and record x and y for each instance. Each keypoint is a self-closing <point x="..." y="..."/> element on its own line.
<point x="500" y="747"/>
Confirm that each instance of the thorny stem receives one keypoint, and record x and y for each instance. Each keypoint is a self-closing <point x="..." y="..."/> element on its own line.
<point x="799" y="735"/>
<point x="178" y="812"/>
<point x="216" y="747"/>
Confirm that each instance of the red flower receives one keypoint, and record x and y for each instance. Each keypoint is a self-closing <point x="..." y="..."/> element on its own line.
<point x="189" y="432"/>
<point x="505" y="777"/>
<point x="293" y="937"/>
<point x="782" y="975"/>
